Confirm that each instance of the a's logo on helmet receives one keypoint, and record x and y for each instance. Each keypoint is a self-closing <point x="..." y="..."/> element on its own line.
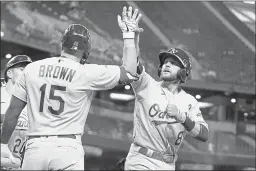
<point x="185" y="62"/>
<point x="75" y="45"/>
<point x="172" y="51"/>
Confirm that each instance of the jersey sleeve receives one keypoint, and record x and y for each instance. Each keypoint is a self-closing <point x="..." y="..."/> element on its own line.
<point x="195" y="113"/>
<point x="22" y="123"/>
<point x="104" y="77"/>
<point x="144" y="78"/>
<point x="20" y="88"/>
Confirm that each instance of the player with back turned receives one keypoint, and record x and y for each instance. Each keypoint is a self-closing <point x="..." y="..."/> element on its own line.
<point x="163" y="114"/>
<point x="58" y="92"/>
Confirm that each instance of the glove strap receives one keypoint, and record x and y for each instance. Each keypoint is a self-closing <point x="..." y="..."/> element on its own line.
<point x="129" y="35"/>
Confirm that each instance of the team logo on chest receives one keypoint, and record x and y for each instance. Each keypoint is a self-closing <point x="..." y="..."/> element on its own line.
<point x="154" y="110"/>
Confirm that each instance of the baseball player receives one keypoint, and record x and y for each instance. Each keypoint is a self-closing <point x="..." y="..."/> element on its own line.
<point x="163" y="114"/>
<point x="58" y="92"/>
<point x="12" y="154"/>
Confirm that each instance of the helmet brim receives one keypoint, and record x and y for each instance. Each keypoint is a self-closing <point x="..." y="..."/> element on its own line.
<point x="164" y="55"/>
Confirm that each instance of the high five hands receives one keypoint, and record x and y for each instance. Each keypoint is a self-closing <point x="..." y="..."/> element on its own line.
<point x="129" y="22"/>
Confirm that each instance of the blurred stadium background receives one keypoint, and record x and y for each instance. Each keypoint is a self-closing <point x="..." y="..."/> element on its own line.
<point x="220" y="37"/>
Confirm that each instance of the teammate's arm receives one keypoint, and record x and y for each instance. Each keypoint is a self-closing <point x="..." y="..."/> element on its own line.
<point x="11" y="117"/>
<point x="108" y="76"/>
<point x="18" y="102"/>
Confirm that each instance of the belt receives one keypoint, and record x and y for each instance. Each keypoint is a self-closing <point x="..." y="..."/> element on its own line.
<point x="167" y="158"/>
<point x="73" y="136"/>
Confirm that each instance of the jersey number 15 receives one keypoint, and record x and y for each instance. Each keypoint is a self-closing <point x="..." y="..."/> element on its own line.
<point x="53" y="88"/>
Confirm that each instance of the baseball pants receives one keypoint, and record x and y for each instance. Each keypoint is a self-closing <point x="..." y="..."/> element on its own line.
<point x="54" y="153"/>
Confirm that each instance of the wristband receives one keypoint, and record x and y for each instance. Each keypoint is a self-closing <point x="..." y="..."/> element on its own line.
<point x="188" y="124"/>
<point x="128" y="35"/>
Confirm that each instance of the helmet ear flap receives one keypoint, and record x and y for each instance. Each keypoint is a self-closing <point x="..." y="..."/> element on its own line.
<point x="84" y="58"/>
<point x="182" y="75"/>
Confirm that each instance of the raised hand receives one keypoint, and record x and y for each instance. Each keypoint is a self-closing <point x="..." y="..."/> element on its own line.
<point x="121" y="21"/>
<point x="133" y="19"/>
<point x="130" y="20"/>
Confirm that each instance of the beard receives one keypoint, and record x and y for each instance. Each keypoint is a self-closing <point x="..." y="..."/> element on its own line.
<point x="166" y="76"/>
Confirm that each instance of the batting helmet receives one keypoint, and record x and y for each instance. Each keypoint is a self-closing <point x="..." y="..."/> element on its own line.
<point x="183" y="58"/>
<point x="19" y="59"/>
<point x="77" y="37"/>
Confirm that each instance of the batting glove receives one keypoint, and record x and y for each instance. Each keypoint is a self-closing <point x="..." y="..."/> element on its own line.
<point x="129" y="22"/>
<point x="121" y="21"/>
<point x="133" y="20"/>
<point x="174" y="112"/>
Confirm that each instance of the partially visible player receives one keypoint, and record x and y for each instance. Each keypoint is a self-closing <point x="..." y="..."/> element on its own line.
<point x="163" y="114"/>
<point x="58" y="92"/>
<point x="12" y="155"/>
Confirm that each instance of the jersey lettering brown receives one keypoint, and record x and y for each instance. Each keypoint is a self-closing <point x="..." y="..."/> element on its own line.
<point x="57" y="72"/>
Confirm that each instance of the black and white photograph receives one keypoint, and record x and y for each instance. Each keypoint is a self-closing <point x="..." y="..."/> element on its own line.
<point x="128" y="85"/>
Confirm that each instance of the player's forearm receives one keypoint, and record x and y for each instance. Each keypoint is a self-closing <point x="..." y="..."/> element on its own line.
<point x="10" y="121"/>
<point x="196" y="130"/>
<point x="130" y="56"/>
<point x="137" y="41"/>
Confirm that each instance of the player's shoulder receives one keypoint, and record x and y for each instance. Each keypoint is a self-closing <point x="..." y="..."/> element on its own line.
<point x="99" y="68"/>
<point x="99" y="65"/>
<point x="157" y="83"/>
<point x="91" y="65"/>
<point x="187" y="96"/>
<point x="34" y="64"/>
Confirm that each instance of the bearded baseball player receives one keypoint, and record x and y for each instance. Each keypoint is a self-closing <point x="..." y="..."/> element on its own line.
<point x="163" y="114"/>
<point x="12" y="154"/>
<point x="58" y="92"/>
